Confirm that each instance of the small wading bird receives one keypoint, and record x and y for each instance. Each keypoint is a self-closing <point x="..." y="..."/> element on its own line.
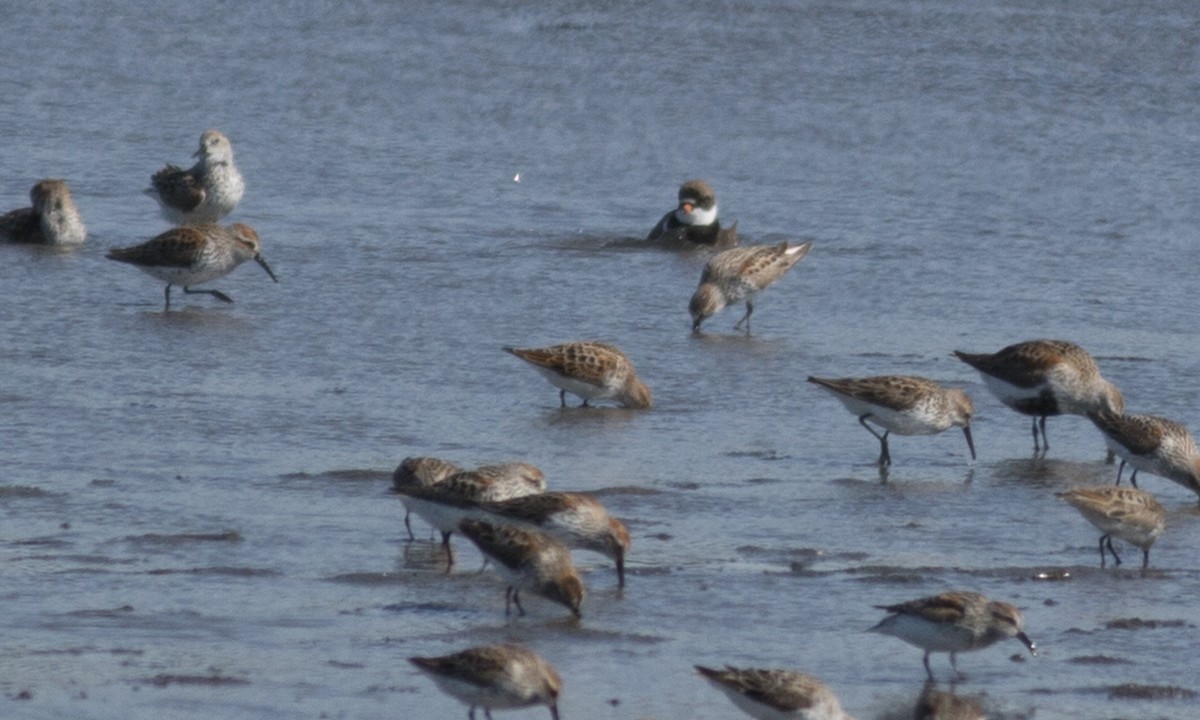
<point x="206" y="192"/>
<point x="195" y="254"/>
<point x="738" y="275"/>
<point x="495" y="677"/>
<point x="903" y="405"/>
<point x="1041" y="378"/>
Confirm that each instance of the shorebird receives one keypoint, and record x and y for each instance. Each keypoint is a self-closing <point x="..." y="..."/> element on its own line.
<point x="590" y="369"/>
<point x="776" y="694"/>
<point x="739" y="274"/>
<point x="420" y="472"/>
<point x="1154" y="444"/>
<point x="194" y="254"/>
<point x="53" y="219"/>
<point x="694" y="220"/>
<point x="953" y="622"/>
<point x="528" y="560"/>
<point x="206" y="192"/>
<point x="441" y="504"/>
<point x="495" y="677"/>
<point x="903" y="405"/>
<point x="1130" y="514"/>
<point x="1040" y="378"/>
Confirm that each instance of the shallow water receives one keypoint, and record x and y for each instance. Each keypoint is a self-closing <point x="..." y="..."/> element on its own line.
<point x="196" y="521"/>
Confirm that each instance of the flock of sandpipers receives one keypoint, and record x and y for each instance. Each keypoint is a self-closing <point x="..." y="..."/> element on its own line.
<point x="527" y="533"/>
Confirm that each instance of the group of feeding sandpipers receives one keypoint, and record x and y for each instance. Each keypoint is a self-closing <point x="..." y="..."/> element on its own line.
<point x="527" y="533"/>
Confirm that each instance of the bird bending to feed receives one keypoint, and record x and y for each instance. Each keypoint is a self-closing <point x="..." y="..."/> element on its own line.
<point x="1130" y="514"/>
<point x="495" y="677"/>
<point x="591" y="370"/>
<point x="420" y="472"/>
<point x="902" y="404"/>
<point x="1154" y="444"/>
<point x="194" y="254"/>
<point x="694" y="220"/>
<point x="53" y="219"/>
<point x="739" y="274"/>
<point x="442" y="504"/>
<point x="953" y="622"/>
<point x="776" y="694"/>
<point x="528" y="560"/>
<point x="577" y="519"/>
<point x="1041" y="378"/>
<point x="206" y="192"/>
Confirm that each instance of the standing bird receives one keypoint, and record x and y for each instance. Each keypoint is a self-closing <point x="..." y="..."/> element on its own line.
<point x="738" y="274"/>
<point x="953" y="622"/>
<point x="1155" y="444"/>
<point x="420" y="472"/>
<point x="194" y="254"/>
<point x="208" y="191"/>
<point x="776" y="694"/>
<point x="441" y="504"/>
<point x="1130" y="514"/>
<point x="53" y="219"/>
<point x="495" y="677"/>
<point x="528" y="560"/>
<point x="1040" y="378"/>
<point x="903" y="405"/>
<point x="694" y="220"/>
<point x="590" y="369"/>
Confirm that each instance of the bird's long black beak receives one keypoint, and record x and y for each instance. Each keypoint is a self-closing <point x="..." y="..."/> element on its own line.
<point x="259" y="259"/>
<point x="1028" y="643"/>
<point x="970" y="442"/>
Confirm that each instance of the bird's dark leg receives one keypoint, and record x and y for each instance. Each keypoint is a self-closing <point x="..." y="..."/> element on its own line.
<point x="408" y="527"/>
<point x="562" y="398"/>
<point x="167" y="297"/>
<point x="1045" y="439"/>
<point x="1133" y="478"/>
<point x="746" y="317"/>
<point x="517" y="602"/>
<point x="584" y="403"/>
<point x="449" y="552"/>
<point x="927" y="670"/>
<point x="471" y="713"/>
<point x="954" y="664"/>
<point x="1106" y="542"/>
<point x="885" y="457"/>
<point x="1145" y="558"/>
<point x="215" y="293"/>
<point x="1121" y="469"/>
<point x="508" y="601"/>
<point x="487" y="713"/>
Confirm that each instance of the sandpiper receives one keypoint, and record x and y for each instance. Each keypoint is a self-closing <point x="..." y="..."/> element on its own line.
<point x="420" y="472"/>
<point x="1045" y="377"/>
<point x="776" y="694"/>
<point x="694" y="220"/>
<point x="1130" y="514"/>
<point x="1154" y="444"/>
<point x="441" y="504"/>
<point x="495" y="677"/>
<point x="528" y="560"/>
<point x="902" y="404"/>
<point x="205" y="193"/>
<point x="53" y="219"/>
<point x="739" y="274"/>
<point x="194" y="254"/>
<point x="953" y="622"/>
<point x="591" y="370"/>
<point x="577" y="519"/>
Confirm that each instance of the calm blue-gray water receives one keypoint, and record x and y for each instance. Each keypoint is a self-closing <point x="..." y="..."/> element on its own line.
<point x="195" y="516"/>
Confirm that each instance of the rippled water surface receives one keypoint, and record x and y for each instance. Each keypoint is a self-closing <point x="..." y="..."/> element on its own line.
<point x="196" y="520"/>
